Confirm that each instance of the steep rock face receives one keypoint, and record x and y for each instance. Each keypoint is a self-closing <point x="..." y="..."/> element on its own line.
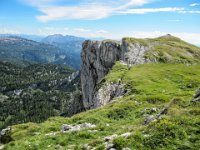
<point x="97" y="59"/>
<point x="133" y="53"/>
<point x="107" y="92"/>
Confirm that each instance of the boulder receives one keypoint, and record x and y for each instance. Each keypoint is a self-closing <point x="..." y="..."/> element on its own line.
<point x="197" y="96"/>
<point x="5" y="135"/>
<point x="109" y="146"/>
<point x="110" y="138"/>
<point x="126" y="135"/>
<point x="68" y="128"/>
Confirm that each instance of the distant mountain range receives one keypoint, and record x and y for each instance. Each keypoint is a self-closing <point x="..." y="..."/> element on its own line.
<point x="36" y="38"/>
<point x="59" y="38"/>
<point x="71" y="45"/>
<point x="54" y="49"/>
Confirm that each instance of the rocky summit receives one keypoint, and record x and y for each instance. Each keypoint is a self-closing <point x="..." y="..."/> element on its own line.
<point x="98" y="57"/>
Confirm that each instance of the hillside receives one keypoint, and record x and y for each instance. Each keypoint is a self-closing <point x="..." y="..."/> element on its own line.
<point x="138" y="93"/>
<point x="168" y="49"/>
<point x="25" y="91"/>
<point x="153" y="87"/>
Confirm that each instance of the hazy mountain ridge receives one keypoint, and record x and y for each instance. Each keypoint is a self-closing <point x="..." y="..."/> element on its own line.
<point x="23" y="50"/>
<point x="71" y="45"/>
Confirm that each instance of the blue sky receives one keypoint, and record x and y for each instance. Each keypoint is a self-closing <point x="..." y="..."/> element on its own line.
<point x="102" y="18"/>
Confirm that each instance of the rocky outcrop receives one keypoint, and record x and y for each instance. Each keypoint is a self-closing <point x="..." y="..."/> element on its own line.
<point x="67" y="128"/>
<point x="197" y="96"/>
<point x="133" y="53"/>
<point x="98" y="57"/>
<point x="107" y="92"/>
<point x="5" y="135"/>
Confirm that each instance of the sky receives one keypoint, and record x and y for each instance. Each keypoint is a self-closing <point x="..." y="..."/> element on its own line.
<point x="112" y="19"/>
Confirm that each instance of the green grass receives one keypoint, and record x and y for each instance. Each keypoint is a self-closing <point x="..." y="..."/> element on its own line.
<point x="168" y="49"/>
<point x="151" y="85"/>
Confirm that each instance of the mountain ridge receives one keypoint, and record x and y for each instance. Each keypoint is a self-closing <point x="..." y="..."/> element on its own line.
<point x="21" y="49"/>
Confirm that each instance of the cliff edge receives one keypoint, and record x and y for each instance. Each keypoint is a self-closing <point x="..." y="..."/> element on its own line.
<point x="98" y="57"/>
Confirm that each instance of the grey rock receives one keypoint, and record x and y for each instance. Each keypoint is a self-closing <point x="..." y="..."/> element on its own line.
<point x="110" y="138"/>
<point x="5" y="135"/>
<point x="153" y="110"/>
<point x="109" y="146"/>
<point x="68" y="128"/>
<point x="162" y="112"/>
<point x="133" y="53"/>
<point x="86" y="147"/>
<point x="97" y="59"/>
<point x="149" y="119"/>
<point x="197" y="96"/>
<point x="107" y="93"/>
<point x="126" y="135"/>
<point x="73" y="76"/>
<point x="159" y="115"/>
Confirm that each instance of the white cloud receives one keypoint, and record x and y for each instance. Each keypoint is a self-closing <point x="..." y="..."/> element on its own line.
<point x="95" y="9"/>
<point x="190" y="11"/>
<point x="150" y="10"/>
<point x="81" y="30"/>
<point x="51" y="30"/>
<point x="194" y="4"/>
<point x="83" y="9"/>
<point x="102" y="31"/>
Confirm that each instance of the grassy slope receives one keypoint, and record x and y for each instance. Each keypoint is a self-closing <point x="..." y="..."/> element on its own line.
<point x="168" y="49"/>
<point x="152" y="85"/>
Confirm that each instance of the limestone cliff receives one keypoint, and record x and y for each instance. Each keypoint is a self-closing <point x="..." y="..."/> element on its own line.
<point x="97" y="59"/>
